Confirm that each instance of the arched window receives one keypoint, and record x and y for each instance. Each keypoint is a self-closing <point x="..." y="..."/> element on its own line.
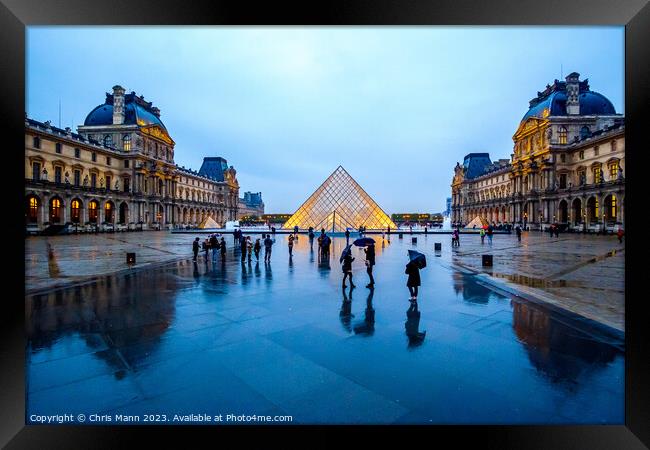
<point x="92" y="211"/>
<point x="562" y="135"/>
<point x="32" y="209"/>
<point x="108" y="140"/>
<point x="584" y="132"/>
<point x="55" y="210"/>
<point x="126" y="143"/>
<point x="75" y="211"/>
<point x="108" y="212"/>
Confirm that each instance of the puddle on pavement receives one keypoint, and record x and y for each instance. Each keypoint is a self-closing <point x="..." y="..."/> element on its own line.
<point x="536" y="282"/>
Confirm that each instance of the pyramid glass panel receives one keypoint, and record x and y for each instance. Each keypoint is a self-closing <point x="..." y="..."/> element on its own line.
<point x="337" y="204"/>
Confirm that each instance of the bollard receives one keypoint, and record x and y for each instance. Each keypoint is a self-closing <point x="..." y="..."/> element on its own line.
<point x="414" y="240"/>
<point x="487" y="260"/>
<point x="130" y="258"/>
<point x="437" y="246"/>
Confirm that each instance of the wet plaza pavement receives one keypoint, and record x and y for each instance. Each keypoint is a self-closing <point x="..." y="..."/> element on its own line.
<point x="284" y="339"/>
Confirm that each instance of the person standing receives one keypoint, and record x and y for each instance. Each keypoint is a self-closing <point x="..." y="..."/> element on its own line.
<point x="291" y="245"/>
<point x="195" y="248"/>
<point x="370" y="261"/>
<point x="518" y="231"/>
<point x="268" y="244"/>
<point x="257" y="248"/>
<point x="242" y="245"/>
<point x="413" y="281"/>
<point x="347" y="269"/>
<point x="222" y="247"/>
<point x="214" y="243"/>
<point x="482" y="233"/>
<point x="249" y="247"/>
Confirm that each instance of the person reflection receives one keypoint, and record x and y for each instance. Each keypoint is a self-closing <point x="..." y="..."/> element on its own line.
<point x="346" y="310"/>
<point x="367" y="327"/>
<point x="412" y="325"/>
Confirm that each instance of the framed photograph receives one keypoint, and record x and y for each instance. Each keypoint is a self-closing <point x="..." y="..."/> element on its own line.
<point x="378" y="218"/>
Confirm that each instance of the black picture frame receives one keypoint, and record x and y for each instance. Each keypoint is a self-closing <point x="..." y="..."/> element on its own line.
<point x="15" y="15"/>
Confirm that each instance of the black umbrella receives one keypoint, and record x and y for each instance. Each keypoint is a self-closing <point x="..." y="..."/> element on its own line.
<point x="418" y="259"/>
<point x="364" y="242"/>
<point x="346" y="251"/>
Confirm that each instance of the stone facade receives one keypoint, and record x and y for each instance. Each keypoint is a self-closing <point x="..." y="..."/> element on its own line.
<point x="118" y="171"/>
<point x="567" y="166"/>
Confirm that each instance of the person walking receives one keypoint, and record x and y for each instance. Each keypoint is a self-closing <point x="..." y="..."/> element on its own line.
<point x="257" y="248"/>
<point x="482" y="233"/>
<point x="620" y="234"/>
<point x="222" y="247"/>
<point x="413" y="281"/>
<point x="490" y="232"/>
<point x="370" y="261"/>
<point x="518" y="231"/>
<point x="195" y="248"/>
<point x="347" y="269"/>
<point x="249" y="248"/>
<point x="268" y="244"/>
<point x="291" y="238"/>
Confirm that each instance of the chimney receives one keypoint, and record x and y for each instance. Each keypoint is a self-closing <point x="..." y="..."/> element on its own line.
<point x="572" y="91"/>
<point x="118" y="105"/>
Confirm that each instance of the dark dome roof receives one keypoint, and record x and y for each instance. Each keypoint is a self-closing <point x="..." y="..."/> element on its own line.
<point x="591" y="103"/>
<point x="134" y="114"/>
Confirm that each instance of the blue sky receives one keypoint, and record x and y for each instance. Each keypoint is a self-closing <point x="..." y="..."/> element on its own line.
<point x="397" y="107"/>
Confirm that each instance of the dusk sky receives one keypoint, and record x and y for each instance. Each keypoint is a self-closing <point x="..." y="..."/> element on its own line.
<point x="397" y="107"/>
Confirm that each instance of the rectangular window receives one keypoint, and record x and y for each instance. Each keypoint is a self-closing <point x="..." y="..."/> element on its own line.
<point x="57" y="147"/>
<point x="77" y="177"/>
<point x="37" y="142"/>
<point x="77" y="153"/>
<point x="94" y="157"/>
<point x="108" y="182"/>
<point x="36" y="171"/>
<point x="563" y="181"/>
<point x="598" y="175"/>
<point x="93" y="180"/>
<point x="57" y="174"/>
<point x="108" y="160"/>
<point x="126" y="163"/>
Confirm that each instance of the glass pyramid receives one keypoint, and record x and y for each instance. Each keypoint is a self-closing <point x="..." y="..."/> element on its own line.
<point x="339" y="203"/>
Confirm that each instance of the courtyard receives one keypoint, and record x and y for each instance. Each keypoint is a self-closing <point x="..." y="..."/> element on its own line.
<point x="173" y="337"/>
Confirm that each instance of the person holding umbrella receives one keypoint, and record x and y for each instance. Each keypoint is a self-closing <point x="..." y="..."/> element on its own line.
<point x="417" y="261"/>
<point x="370" y="257"/>
<point x="346" y="259"/>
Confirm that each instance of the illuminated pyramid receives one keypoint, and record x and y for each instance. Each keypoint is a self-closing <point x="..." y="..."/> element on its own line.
<point x="339" y="203"/>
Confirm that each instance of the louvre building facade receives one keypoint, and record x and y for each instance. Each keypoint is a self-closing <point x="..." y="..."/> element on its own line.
<point x="118" y="172"/>
<point x="566" y="166"/>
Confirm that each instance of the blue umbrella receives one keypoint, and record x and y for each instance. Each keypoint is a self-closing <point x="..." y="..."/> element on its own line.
<point x="364" y="242"/>
<point x="418" y="259"/>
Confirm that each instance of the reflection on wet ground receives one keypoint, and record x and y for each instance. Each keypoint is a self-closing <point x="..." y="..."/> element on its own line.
<point x="284" y="338"/>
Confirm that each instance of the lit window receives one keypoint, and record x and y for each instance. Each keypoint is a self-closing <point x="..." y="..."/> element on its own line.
<point x="75" y="211"/>
<point x="562" y="135"/>
<point x="126" y="143"/>
<point x="33" y="210"/>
